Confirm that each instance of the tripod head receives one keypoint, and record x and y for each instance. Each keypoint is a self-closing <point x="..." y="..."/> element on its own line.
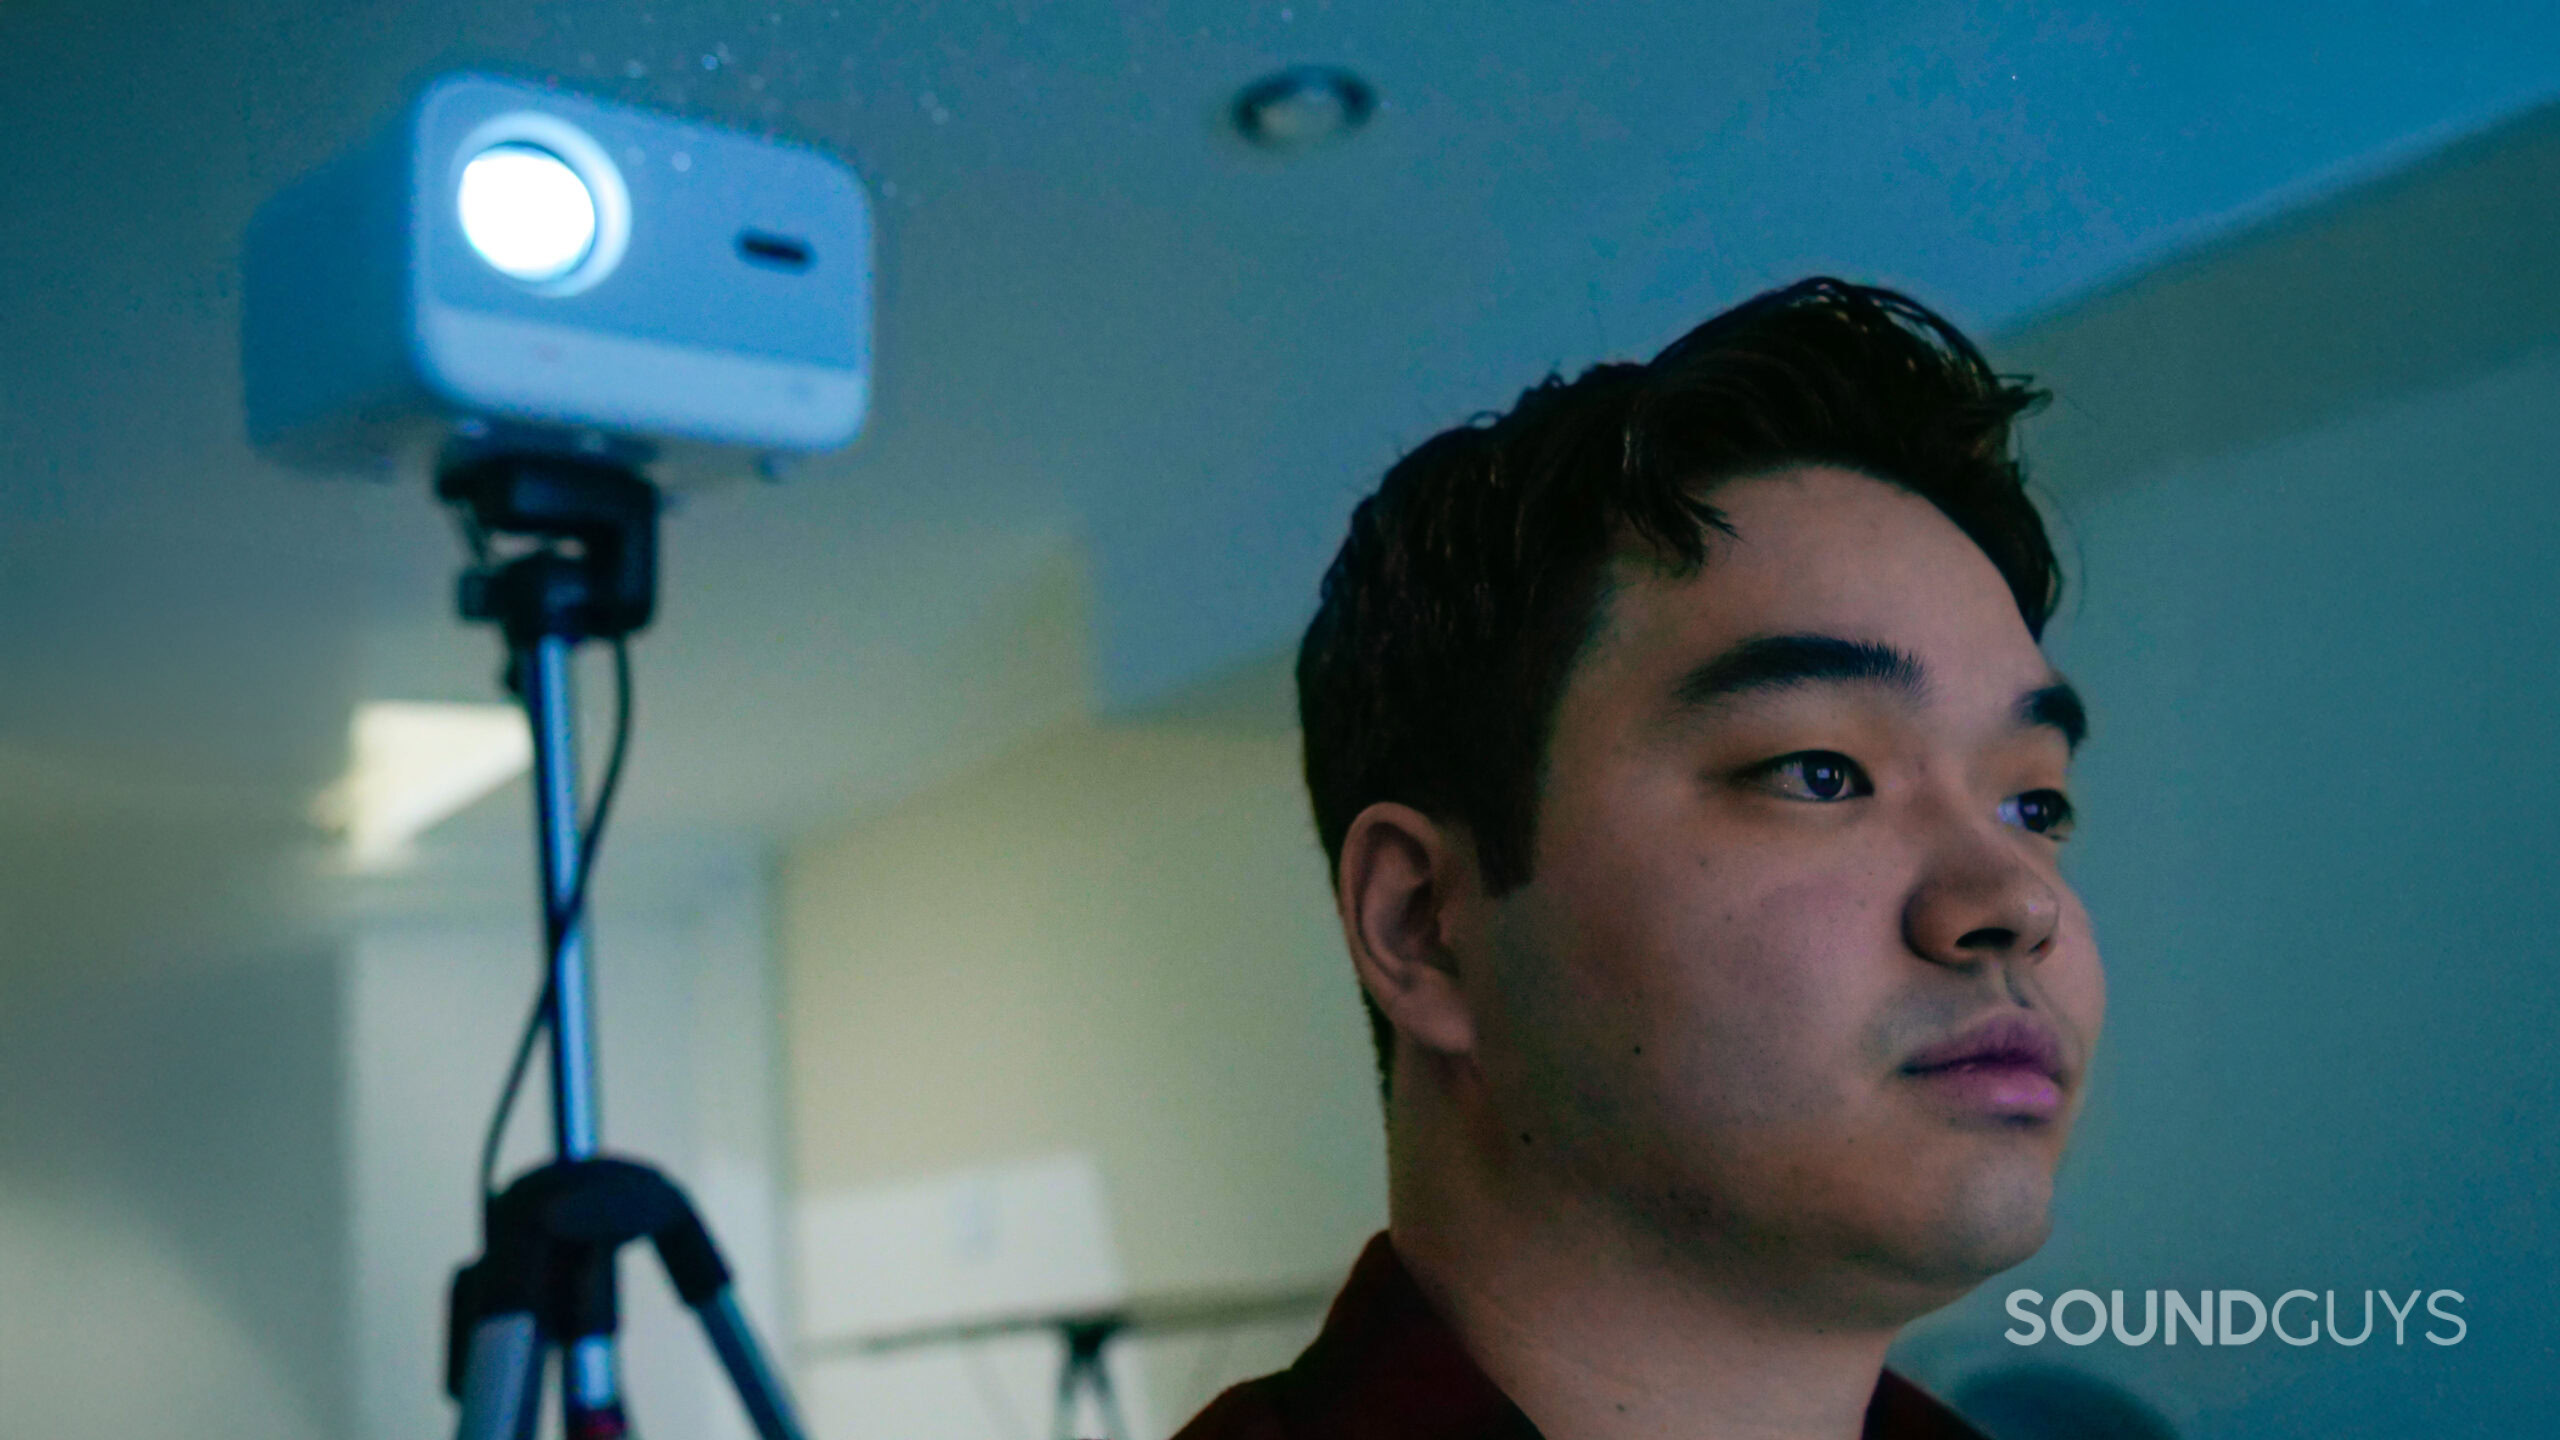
<point x="593" y="571"/>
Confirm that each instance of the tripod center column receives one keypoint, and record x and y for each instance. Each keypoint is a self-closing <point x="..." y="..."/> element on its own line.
<point x="551" y="707"/>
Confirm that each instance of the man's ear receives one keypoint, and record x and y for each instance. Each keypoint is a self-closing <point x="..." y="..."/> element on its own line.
<point x="1399" y="875"/>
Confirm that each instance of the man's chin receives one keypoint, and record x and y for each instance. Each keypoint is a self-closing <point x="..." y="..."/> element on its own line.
<point x="1881" y="1243"/>
<point x="1886" y="1277"/>
<point x="1932" y="1255"/>
<point x="1986" y="1229"/>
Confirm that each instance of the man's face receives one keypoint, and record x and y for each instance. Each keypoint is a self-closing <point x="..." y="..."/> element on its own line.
<point x="1797" y="991"/>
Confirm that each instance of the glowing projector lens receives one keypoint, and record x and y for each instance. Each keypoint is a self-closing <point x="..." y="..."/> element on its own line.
<point x="527" y="212"/>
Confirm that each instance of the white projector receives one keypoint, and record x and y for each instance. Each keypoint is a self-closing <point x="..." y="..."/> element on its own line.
<point x="515" y="266"/>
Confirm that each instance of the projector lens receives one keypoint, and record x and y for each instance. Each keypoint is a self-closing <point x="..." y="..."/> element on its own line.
<point x="527" y="211"/>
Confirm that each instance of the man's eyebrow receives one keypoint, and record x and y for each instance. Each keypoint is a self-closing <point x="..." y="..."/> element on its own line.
<point x="1784" y="662"/>
<point x="2056" y="705"/>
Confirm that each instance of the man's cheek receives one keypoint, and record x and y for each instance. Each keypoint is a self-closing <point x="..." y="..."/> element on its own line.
<point x="1756" y="1054"/>
<point x="1781" y="1012"/>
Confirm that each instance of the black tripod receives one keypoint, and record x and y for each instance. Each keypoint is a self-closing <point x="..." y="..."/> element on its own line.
<point x="1085" y="1371"/>
<point x="545" y="1280"/>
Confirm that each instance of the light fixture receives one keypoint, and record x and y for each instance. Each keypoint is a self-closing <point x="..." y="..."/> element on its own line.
<point x="414" y="765"/>
<point x="1303" y="106"/>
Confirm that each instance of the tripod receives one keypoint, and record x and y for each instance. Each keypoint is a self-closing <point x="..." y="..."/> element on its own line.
<point x="1084" y="1371"/>
<point x="545" y="1279"/>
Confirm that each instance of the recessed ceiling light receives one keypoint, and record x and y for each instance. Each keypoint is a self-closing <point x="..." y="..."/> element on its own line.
<point x="415" y="765"/>
<point x="1302" y="106"/>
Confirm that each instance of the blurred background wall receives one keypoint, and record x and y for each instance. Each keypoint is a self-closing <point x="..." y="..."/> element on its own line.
<point x="1114" y="946"/>
<point x="963" y="941"/>
<point x="173" y="1202"/>
<point x="233" y="1188"/>
<point x="2306" y="481"/>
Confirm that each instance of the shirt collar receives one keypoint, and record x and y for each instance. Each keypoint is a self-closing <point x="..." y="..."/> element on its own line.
<point x="1385" y="1367"/>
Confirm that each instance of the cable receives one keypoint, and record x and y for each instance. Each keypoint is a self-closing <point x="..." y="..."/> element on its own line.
<point x="561" y="923"/>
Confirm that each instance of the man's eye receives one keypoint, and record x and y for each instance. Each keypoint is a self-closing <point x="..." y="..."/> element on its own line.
<point x="2042" y="812"/>
<point x="1818" y="775"/>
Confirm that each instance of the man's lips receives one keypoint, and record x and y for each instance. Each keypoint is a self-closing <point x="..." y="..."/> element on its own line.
<point x="2010" y="1065"/>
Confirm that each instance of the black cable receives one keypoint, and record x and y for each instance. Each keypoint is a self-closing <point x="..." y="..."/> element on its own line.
<point x="560" y="923"/>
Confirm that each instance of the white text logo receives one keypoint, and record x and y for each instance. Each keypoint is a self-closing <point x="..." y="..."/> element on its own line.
<point x="2226" y="1317"/>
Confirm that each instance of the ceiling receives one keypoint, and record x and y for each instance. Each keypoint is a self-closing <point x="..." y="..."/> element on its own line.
<point x="1131" y="372"/>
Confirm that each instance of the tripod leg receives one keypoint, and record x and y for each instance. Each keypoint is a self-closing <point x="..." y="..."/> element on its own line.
<point x="502" y="1379"/>
<point x="701" y="1279"/>
<point x="1070" y="1379"/>
<point x="590" y="1391"/>
<point x="1084" y="1371"/>
<point x="1108" y="1401"/>
<point x="768" y="1404"/>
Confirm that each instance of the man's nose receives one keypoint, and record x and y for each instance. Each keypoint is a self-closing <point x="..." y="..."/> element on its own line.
<point x="1981" y="900"/>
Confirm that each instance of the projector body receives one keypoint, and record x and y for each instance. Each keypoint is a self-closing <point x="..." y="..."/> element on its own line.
<point x="719" y="321"/>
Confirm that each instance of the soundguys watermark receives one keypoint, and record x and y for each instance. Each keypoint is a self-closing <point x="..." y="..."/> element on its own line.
<point x="2242" y="1317"/>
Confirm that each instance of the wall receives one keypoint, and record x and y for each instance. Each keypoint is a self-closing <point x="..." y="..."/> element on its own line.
<point x="234" y="1179"/>
<point x="171" y="1198"/>
<point x="1106" y="966"/>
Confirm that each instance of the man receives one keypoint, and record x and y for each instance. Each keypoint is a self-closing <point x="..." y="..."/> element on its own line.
<point x="1694" y="786"/>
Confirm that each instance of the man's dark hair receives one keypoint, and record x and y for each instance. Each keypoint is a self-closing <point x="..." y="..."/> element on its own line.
<point x="1470" y="581"/>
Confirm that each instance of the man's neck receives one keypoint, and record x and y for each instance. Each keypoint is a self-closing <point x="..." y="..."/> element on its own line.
<point x="1597" y="1335"/>
<point x="1592" y="1354"/>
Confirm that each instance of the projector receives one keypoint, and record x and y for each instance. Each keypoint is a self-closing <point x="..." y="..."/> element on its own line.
<point x="513" y="267"/>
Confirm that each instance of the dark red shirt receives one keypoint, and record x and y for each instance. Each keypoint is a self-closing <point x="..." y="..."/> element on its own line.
<point x="1385" y="1368"/>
